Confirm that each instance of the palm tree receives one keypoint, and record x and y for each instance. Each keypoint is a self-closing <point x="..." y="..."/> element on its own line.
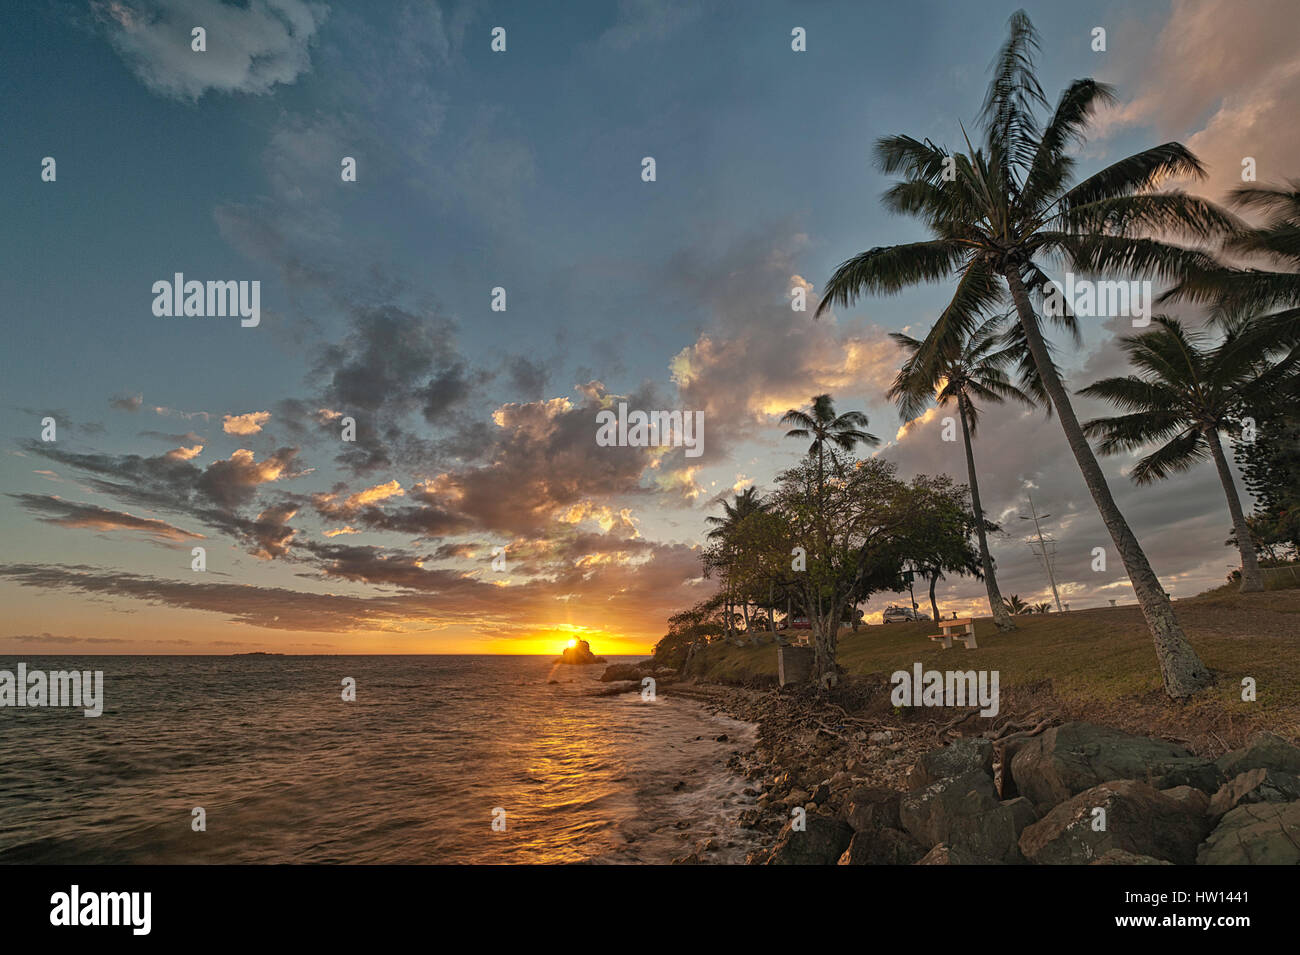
<point x="1015" y="605"/>
<point x="1237" y="293"/>
<point x="824" y="426"/>
<point x="996" y="211"/>
<point x="1043" y="608"/>
<point x="746" y="503"/>
<point x="975" y="370"/>
<point x="1184" y="395"/>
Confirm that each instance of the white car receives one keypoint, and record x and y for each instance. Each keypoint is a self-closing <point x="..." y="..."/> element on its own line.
<point x="899" y="615"/>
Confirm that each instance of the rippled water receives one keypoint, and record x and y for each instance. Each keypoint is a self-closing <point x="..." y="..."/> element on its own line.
<point x="409" y="773"/>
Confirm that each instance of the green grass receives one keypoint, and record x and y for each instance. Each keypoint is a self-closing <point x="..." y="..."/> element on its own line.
<point x="1095" y="659"/>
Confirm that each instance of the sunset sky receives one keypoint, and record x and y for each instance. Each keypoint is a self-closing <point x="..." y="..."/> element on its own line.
<point x="476" y="428"/>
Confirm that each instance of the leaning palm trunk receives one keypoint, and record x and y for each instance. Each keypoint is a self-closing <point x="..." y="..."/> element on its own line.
<point x="1251" y="579"/>
<point x="1000" y="616"/>
<point x="1181" y="670"/>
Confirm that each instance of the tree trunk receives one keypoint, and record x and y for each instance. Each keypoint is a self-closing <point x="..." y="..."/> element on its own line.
<point x="1001" y="618"/>
<point x="825" y="670"/>
<point x="934" y="607"/>
<point x="1181" y="669"/>
<point x="1251" y="579"/>
<point x="771" y="609"/>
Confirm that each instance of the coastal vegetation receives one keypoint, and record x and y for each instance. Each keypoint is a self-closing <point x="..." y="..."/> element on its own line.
<point x="1004" y="218"/>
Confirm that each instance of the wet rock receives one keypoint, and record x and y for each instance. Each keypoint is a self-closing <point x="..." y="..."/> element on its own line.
<point x="882" y="847"/>
<point x="1138" y="819"/>
<point x="822" y="842"/>
<point x="1255" y="785"/>
<point x="1074" y="757"/>
<point x="1261" y="833"/>
<point x="961" y="757"/>
<point x="1264" y="751"/>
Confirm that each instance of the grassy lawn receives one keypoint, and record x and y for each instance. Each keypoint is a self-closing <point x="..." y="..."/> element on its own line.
<point x="1100" y="663"/>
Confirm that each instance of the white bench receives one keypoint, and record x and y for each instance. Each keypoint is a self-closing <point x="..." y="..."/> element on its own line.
<point x="966" y="636"/>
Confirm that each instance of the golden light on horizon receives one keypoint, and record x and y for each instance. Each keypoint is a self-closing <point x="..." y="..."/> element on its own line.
<point x="572" y="643"/>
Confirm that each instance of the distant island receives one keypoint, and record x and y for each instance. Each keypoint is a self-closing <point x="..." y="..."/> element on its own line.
<point x="580" y="653"/>
<point x="257" y="653"/>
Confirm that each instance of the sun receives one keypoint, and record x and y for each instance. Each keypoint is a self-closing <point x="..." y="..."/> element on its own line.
<point x="572" y="643"/>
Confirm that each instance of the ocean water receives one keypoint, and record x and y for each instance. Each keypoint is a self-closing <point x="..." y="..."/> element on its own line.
<point x="409" y="773"/>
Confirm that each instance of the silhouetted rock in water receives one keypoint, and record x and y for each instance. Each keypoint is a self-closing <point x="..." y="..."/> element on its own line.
<point x="580" y="653"/>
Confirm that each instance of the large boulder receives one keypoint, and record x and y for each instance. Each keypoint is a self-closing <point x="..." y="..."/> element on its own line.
<point x="882" y="847"/>
<point x="964" y="812"/>
<point x="1071" y="758"/>
<point x="871" y="808"/>
<point x="1264" y="751"/>
<point x="1256" y="785"/>
<point x="961" y="757"/>
<point x="821" y="842"/>
<point x="1260" y="833"/>
<point x="1138" y="819"/>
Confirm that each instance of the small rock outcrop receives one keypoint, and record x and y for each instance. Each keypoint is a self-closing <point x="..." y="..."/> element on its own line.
<point x="821" y="841"/>
<point x="579" y="654"/>
<point x="1260" y="833"/>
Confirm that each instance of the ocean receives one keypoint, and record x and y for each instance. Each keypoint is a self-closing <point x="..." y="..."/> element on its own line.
<point x="414" y="771"/>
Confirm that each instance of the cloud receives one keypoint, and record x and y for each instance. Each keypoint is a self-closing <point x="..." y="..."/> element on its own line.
<point x="127" y="402"/>
<point x="250" y="48"/>
<point x="55" y="510"/>
<point x="1224" y="77"/>
<point x="245" y="424"/>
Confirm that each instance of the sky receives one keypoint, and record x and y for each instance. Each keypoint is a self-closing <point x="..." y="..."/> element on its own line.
<point x="519" y="170"/>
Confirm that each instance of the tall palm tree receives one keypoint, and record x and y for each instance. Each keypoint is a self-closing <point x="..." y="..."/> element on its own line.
<point x="1185" y="393"/>
<point x="1016" y="606"/>
<point x="962" y="374"/>
<point x="996" y="212"/>
<point x="824" y="426"/>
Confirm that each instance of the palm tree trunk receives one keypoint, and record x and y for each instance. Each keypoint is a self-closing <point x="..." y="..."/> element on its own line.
<point x="771" y="609"/>
<point x="1001" y="618"/>
<point x="1251" y="579"/>
<point x="1181" y="669"/>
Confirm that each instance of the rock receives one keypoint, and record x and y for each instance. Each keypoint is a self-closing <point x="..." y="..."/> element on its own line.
<point x="1264" y="751"/>
<point x="822" y="842"/>
<point x="821" y="793"/>
<point x="1071" y="758"/>
<point x="1195" y="800"/>
<point x="948" y="855"/>
<point x="962" y="757"/>
<point x="881" y="736"/>
<point x="1139" y="820"/>
<point x="964" y="813"/>
<point x="797" y="797"/>
<point x="579" y="654"/>
<point x="1261" y="833"/>
<point x="618" y="672"/>
<point x="1255" y="785"/>
<point x="872" y="808"/>
<point x="1120" y="857"/>
<point x="882" y="847"/>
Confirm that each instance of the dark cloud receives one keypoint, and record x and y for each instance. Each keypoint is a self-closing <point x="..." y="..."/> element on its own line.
<point x="55" y="510"/>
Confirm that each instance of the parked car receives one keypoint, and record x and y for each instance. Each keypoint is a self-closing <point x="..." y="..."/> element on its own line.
<point x="795" y="623"/>
<point x="899" y="615"/>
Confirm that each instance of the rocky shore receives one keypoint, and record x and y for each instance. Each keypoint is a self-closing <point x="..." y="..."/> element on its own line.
<point x="879" y="785"/>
